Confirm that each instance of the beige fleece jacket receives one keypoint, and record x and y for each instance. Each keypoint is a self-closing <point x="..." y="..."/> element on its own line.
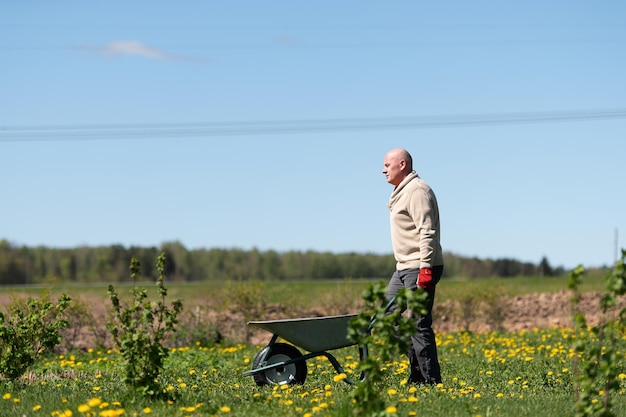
<point x="415" y="234"/>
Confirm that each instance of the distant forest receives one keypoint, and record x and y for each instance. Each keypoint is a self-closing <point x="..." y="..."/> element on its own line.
<point x="21" y="265"/>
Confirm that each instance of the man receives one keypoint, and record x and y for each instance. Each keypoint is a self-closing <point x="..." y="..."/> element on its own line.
<point x="419" y="258"/>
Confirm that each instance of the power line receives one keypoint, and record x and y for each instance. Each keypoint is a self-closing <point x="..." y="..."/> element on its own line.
<point x="256" y="128"/>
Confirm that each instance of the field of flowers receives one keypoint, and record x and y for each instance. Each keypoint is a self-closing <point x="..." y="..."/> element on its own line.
<point x="526" y="373"/>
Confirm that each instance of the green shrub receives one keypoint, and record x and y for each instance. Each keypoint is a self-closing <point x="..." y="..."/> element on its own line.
<point x="28" y="331"/>
<point x="140" y="329"/>
<point x="596" y="363"/>
<point x="389" y="332"/>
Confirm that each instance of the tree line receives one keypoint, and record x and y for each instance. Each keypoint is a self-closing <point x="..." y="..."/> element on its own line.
<point x="20" y="265"/>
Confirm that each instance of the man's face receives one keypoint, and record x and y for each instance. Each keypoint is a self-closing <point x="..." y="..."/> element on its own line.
<point x="394" y="168"/>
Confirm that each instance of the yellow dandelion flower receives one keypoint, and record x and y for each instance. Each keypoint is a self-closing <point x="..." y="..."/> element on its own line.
<point x="94" y="402"/>
<point x="340" y="377"/>
<point x="147" y="410"/>
<point x="622" y="376"/>
<point x="16" y="400"/>
<point x="391" y="410"/>
<point x="67" y="413"/>
<point x="83" y="408"/>
<point x="36" y="407"/>
<point x="112" y="412"/>
<point x="225" y="409"/>
<point x="392" y="391"/>
<point x="6" y="396"/>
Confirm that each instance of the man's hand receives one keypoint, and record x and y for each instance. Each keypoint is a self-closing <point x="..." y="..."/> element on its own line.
<point x="425" y="278"/>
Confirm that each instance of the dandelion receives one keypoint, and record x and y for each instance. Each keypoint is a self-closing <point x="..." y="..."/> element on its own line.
<point x="391" y="410"/>
<point x="225" y="409"/>
<point x="147" y="410"/>
<point x="83" y="408"/>
<point x="340" y="377"/>
<point x="112" y="413"/>
<point x="392" y="391"/>
<point x="36" y="407"/>
<point x="94" y="402"/>
<point x="6" y="396"/>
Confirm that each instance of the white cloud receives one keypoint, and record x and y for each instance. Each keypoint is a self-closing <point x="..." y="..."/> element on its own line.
<point x="136" y="48"/>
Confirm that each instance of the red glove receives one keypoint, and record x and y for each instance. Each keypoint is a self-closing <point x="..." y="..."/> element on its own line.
<point x="425" y="278"/>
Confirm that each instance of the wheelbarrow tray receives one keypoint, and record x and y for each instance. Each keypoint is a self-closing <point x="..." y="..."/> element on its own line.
<point x="314" y="334"/>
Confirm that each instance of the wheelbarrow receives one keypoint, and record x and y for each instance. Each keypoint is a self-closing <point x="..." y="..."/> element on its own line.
<point x="283" y="363"/>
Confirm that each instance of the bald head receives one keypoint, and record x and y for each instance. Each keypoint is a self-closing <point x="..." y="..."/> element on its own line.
<point x="397" y="165"/>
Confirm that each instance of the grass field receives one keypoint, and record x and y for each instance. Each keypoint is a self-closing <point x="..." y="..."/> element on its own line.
<point x="491" y="374"/>
<point x="308" y="293"/>
<point x="528" y="373"/>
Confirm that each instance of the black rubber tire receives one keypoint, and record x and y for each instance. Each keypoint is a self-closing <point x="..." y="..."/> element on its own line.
<point x="294" y="373"/>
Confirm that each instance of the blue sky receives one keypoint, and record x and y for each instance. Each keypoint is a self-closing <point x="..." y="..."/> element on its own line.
<point x="108" y="113"/>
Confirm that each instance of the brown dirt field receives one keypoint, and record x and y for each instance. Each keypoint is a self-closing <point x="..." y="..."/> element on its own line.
<point x="508" y="314"/>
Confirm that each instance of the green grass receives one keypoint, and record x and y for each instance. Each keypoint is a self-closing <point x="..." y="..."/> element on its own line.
<point x="487" y="374"/>
<point x="309" y="293"/>
<point x="491" y="374"/>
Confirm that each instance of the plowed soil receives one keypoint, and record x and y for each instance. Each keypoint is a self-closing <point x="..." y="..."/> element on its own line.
<point x="507" y="314"/>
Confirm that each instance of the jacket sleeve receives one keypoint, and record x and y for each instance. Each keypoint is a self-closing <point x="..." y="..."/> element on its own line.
<point x="423" y="212"/>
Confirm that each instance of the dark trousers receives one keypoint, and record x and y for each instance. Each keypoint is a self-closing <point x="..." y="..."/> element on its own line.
<point x="423" y="352"/>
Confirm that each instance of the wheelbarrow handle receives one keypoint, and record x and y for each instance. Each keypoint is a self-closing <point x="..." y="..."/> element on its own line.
<point x="388" y="308"/>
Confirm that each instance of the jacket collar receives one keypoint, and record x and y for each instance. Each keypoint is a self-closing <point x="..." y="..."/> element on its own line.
<point x="396" y="191"/>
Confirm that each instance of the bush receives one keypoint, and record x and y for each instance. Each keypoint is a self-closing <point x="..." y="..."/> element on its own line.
<point x="30" y="330"/>
<point x="597" y="369"/>
<point x="140" y="329"/>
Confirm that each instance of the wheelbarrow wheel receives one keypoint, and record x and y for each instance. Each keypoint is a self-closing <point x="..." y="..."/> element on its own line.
<point x="293" y="373"/>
